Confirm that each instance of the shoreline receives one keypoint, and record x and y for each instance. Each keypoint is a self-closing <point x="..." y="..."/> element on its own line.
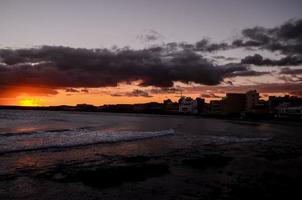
<point x="271" y="120"/>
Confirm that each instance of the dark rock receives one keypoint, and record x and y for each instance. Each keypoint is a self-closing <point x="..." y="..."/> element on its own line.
<point x="207" y="161"/>
<point x="110" y="176"/>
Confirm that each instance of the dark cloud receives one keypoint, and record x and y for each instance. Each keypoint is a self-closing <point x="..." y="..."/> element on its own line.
<point x="229" y="82"/>
<point x="134" y="93"/>
<point x="150" y="36"/>
<point x="205" y="45"/>
<point x="286" y="39"/>
<point x="117" y="94"/>
<point x="57" y="67"/>
<point x="247" y="73"/>
<point x="262" y="88"/>
<point x="171" y="90"/>
<point x="290" y="75"/>
<point x="85" y="90"/>
<point x="296" y="93"/>
<point x="210" y="95"/>
<point x="71" y="90"/>
<point x="291" y="79"/>
<point x="291" y="71"/>
<point x="139" y="93"/>
<point x="243" y="72"/>
<point x="257" y="59"/>
<point x="224" y="58"/>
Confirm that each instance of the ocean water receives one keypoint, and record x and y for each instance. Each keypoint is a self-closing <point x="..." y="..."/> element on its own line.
<point x="40" y="148"/>
<point x="82" y="135"/>
<point x="38" y="130"/>
<point x="42" y="130"/>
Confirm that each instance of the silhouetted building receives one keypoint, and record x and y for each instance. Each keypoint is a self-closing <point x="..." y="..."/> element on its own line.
<point x="188" y="105"/>
<point x="260" y="108"/>
<point x="124" y="108"/>
<point x="140" y="108"/>
<point x="168" y="101"/>
<point x="286" y="110"/>
<point x="170" y="107"/>
<point x="200" y="105"/>
<point x="252" y="99"/>
<point x="216" y="107"/>
<point x="155" y="107"/>
<point x="234" y="103"/>
<point x="258" y="111"/>
<point x="274" y="102"/>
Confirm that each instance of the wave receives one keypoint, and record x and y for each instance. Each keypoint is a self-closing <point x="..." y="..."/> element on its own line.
<point x="73" y="138"/>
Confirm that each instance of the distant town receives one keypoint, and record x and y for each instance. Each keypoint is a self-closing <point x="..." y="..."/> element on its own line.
<point x="234" y="105"/>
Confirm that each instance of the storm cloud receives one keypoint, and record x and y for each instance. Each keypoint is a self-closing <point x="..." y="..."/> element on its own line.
<point x="291" y="71"/>
<point x="285" y="39"/>
<point x="290" y="88"/>
<point x="133" y="93"/>
<point x="57" y="66"/>
<point x="205" y="45"/>
<point x="150" y="36"/>
<point x="210" y="95"/>
<point x="72" y="90"/>
<point x="257" y="59"/>
<point x="160" y="66"/>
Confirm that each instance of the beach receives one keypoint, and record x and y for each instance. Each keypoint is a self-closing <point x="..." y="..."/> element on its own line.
<point x="78" y="155"/>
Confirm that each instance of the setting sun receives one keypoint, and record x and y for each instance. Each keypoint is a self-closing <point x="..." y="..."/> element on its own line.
<point x="29" y="102"/>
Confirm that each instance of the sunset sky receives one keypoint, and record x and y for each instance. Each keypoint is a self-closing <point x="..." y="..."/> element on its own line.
<point x="131" y="51"/>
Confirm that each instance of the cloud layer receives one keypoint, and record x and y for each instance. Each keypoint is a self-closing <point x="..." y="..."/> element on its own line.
<point x="56" y="67"/>
<point x="285" y="39"/>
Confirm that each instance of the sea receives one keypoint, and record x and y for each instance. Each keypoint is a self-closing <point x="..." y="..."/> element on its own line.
<point x="25" y="131"/>
<point x="35" y="142"/>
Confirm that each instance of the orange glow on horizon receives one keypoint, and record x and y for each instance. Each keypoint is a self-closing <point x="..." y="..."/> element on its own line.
<point x="29" y="102"/>
<point x="41" y="96"/>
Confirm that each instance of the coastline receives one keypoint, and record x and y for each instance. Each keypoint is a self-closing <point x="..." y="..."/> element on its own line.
<point x="206" y="116"/>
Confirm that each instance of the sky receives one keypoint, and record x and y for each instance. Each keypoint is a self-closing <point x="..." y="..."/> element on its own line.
<point x="132" y="51"/>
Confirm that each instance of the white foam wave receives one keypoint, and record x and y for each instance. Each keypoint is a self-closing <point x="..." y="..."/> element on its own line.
<point x="72" y="138"/>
